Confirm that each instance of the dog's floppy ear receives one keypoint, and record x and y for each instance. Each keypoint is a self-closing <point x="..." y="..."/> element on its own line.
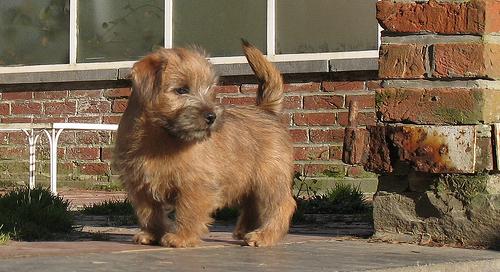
<point x="146" y="76"/>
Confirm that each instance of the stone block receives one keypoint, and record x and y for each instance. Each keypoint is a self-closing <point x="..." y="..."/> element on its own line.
<point x="402" y="61"/>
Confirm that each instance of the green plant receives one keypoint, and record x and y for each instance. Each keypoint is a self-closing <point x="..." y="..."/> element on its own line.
<point x="110" y="207"/>
<point x="4" y="237"/>
<point x="34" y="214"/>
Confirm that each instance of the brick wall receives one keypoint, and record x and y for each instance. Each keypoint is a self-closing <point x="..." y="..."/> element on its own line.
<point x="315" y="111"/>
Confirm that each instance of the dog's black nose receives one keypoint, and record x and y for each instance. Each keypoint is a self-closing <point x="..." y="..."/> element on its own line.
<point x="210" y="117"/>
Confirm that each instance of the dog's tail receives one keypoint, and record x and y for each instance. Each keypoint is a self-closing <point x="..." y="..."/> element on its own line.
<point x="270" y="92"/>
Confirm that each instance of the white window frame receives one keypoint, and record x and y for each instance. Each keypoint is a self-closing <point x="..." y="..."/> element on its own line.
<point x="168" y="42"/>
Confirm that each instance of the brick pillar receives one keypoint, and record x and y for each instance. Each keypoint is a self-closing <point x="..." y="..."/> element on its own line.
<point x="434" y="146"/>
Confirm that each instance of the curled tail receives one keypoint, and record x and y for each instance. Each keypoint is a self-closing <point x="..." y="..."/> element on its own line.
<point x="270" y="92"/>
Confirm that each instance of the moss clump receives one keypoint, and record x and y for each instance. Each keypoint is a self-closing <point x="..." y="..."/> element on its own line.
<point x="456" y="116"/>
<point x="462" y="187"/>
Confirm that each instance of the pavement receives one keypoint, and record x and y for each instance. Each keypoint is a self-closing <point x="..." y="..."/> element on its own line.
<point x="99" y="245"/>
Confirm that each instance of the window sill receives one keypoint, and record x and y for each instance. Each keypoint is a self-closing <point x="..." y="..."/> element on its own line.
<point x="235" y="69"/>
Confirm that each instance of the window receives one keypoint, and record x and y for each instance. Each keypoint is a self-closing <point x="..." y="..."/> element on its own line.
<point x="81" y="34"/>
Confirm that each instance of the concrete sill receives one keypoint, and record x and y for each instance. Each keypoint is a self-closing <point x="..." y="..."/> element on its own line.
<point x="236" y="69"/>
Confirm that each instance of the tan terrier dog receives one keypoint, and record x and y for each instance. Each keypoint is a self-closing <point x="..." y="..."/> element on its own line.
<point x="178" y="150"/>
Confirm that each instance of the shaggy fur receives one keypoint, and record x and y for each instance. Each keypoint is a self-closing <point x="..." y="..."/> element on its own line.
<point x="179" y="151"/>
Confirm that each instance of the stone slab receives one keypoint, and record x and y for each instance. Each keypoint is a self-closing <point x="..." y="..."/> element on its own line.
<point x="59" y="76"/>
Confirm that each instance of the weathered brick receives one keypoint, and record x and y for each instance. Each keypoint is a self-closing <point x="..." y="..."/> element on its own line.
<point x="298" y="135"/>
<point x="335" y="152"/>
<point x="66" y="107"/>
<point x="106" y="153"/>
<point x="93" y="106"/>
<point x="310" y="153"/>
<point x="113" y="119"/>
<point x="82" y="153"/>
<point x="314" y="119"/>
<point x="374" y="84"/>
<point x="432" y="16"/>
<point x="439" y="106"/>
<point x="17" y="95"/>
<point x="49" y="120"/>
<point x="84" y="119"/>
<point x="225" y="89"/>
<point x="402" y="61"/>
<point x="26" y="108"/>
<point x="315" y="169"/>
<point x="492" y="16"/>
<point x="238" y="100"/>
<point x="17" y="137"/>
<point x="324" y="102"/>
<point x="50" y="94"/>
<point x="4" y="109"/>
<point x="364" y="101"/>
<point x="17" y="120"/>
<point x="335" y="86"/>
<point x="302" y="87"/>
<point x="14" y="153"/>
<point x="118" y="93"/>
<point x="327" y="135"/>
<point x="85" y="93"/>
<point x="292" y="102"/>
<point x="94" y="168"/>
<point x="93" y="137"/>
<point x="4" y="138"/>
<point x="119" y="105"/>
<point x="363" y="118"/>
<point x="467" y="60"/>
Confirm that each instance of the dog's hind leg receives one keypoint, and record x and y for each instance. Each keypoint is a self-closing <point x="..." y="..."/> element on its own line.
<point x="275" y="207"/>
<point x="248" y="219"/>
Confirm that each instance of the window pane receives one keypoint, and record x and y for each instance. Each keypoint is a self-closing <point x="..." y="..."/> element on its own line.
<point x="34" y="32"/>
<point x="310" y="26"/>
<point x="218" y="25"/>
<point x="115" y="30"/>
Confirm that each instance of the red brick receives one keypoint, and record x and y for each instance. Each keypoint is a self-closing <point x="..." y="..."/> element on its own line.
<point x="364" y="101"/>
<point x="17" y="95"/>
<point x="67" y="137"/>
<point x="26" y="108"/>
<point x="238" y="100"/>
<point x="18" y="138"/>
<point x="119" y="105"/>
<point x="111" y="119"/>
<point x="302" y="87"/>
<point x="118" y="93"/>
<point x="106" y="153"/>
<point x="298" y="168"/>
<point x="84" y="119"/>
<point x="93" y="137"/>
<point x="310" y="153"/>
<point x="14" y="153"/>
<point x="66" y="107"/>
<point x="335" y="153"/>
<point x="355" y="171"/>
<point x="334" y="86"/>
<point x="249" y="88"/>
<point x="224" y="89"/>
<point x="320" y="169"/>
<point x="432" y="16"/>
<point x="286" y="119"/>
<point x="292" y="102"/>
<point x="298" y="135"/>
<point x="314" y="119"/>
<point x="323" y="102"/>
<point x="82" y="153"/>
<point x="492" y="16"/>
<point x="4" y="109"/>
<point x="94" y="168"/>
<point x="4" y="138"/>
<point x="374" y="84"/>
<point x="466" y="60"/>
<point x="16" y="120"/>
<point x="402" y="61"/>
<point x="50" y="94"/>
<point x="363" y="118"/>
<point x="327" y="135"/>
<point x="49" y="120"/>
<point x="85" y="93"/>
<point x="94" y="107"/>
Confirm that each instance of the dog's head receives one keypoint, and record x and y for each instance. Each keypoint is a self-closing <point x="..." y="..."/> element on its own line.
<point x="174" y="88"/>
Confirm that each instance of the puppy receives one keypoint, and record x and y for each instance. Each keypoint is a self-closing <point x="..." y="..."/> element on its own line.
<point x="180" y="152"/>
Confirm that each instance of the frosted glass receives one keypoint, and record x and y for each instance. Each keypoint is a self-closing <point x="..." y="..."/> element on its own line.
<point x="34" y="32"/>
<point x="116" y="30"/>
<point x="218" y="25"/>
<point x="313" y="26"/>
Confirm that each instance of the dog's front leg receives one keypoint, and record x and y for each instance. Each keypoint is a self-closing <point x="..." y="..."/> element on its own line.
<point x="152" y="219"/>
<point x="193" y="211"/>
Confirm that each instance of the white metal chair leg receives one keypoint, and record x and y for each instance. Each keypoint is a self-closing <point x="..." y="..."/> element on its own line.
<point x="32" y="139"/>
<point x="53" y="140"/>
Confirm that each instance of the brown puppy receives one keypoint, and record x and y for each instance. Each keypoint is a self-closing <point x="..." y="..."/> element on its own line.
<point x="179" y="151"/>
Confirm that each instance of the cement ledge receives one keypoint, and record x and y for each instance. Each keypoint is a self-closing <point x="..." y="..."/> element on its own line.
<point x="233" y="69"/>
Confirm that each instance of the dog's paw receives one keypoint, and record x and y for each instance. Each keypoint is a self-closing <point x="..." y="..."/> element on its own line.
<point x="257" y="239"/>
<point x="144" y="238"/>
<point x="174" y="240"/>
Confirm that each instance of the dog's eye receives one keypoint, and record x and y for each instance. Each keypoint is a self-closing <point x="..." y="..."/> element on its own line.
<point x="182" y="90"/>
